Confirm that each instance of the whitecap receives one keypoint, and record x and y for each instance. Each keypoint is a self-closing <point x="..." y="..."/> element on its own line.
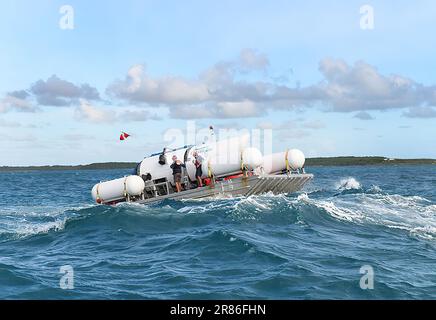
<point x="413" y="214"/>
<point x="348" y="184"/>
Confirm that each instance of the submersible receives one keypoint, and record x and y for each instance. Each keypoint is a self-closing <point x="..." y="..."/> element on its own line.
<point x="230" y="168"/>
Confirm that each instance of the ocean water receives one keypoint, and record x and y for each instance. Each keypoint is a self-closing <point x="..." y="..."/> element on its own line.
<point x="308" y="245"/>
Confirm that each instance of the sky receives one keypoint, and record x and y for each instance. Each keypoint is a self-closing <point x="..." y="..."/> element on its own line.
<point x="330" y="78"/>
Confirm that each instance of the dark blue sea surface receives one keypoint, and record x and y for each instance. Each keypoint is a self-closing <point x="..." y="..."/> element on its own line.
<point x="308" y="245"/>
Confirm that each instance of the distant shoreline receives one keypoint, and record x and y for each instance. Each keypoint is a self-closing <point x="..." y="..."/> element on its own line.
<point x="322" y="161"/>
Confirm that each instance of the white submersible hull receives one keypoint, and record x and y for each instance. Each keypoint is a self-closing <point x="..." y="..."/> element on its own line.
<point x="230" y="168"/>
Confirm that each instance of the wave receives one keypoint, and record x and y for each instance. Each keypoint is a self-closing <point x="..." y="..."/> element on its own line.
<point x="354" y="203"/>
<point x="21" y="221"/>
<point x="372" y="206"/>
<point x="348" y="184"/>
<point x="413" y="214"/>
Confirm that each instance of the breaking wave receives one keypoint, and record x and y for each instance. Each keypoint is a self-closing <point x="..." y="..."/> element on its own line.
<point x="348" y="184"/>
<point x="414" y="214"/>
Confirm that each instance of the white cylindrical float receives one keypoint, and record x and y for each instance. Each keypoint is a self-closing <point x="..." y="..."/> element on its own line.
<point x="224" y="157"/>
<point x="118" y="189"/>
<point x="296" y="159"/>
<point x="252" y="158"/>
<point x="292" y="159"/>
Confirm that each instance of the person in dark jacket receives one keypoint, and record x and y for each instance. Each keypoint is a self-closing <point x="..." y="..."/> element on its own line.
<point x="177" y="172"/>
<point x="198" y="161"/>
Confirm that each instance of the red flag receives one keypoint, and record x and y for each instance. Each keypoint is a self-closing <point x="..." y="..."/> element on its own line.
<point x="124" y="136"/>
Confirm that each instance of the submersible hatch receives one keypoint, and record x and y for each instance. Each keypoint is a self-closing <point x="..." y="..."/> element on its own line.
<point x="230" y="168"/>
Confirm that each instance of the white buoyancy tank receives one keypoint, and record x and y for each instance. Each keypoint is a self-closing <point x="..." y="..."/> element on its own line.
<point x="252" y="158"/>
<point x="293" y="159"/>
<point x="118" y="189"/>
<point x="296" y="159"/>
<point x="224" y="157"/>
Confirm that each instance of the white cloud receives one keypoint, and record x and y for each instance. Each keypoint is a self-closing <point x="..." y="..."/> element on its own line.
<point x="21" y="94"/>
<point x="93" y="114"/>
<point x="220" y="110"/>
<point x="139" y="87"/>
<point x="250" y="59"/>
<point x="214" y="93"/>
<point x="363" y="115"/>
<point x="219" y="93"/>
<point x="57" y="92"/>
<point x="10" y="102"/>
<point x="420" y="112"/>
<point x="52" y="92"/>
<point x="226" y="90"/>
<point x="240" y="109"/>
<point x="362" y="87"/>
<point x="101" y="115"/>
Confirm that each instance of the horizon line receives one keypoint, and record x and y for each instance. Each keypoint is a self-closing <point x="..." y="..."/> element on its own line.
<point x="132" y="162"/>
